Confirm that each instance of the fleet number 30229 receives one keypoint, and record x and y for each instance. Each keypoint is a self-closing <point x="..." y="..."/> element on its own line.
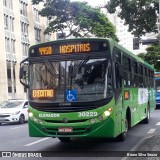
<point x="87" y="114"/>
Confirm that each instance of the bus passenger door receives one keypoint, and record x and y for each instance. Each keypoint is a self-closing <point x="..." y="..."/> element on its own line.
<point x="118" y="88"/>
<point x="118" y="74"/>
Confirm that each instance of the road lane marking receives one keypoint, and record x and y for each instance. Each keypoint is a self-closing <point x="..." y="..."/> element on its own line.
<point x="151" y="130"/>
<point x="17" y="127"/>
<point x="158" y="124"/>
<point x="30" y="144"/>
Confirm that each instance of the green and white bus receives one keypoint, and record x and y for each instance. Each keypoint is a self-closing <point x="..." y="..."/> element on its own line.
<point x="87" y="87"/>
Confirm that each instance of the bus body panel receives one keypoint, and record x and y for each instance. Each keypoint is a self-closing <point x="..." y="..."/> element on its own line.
<point x="128" y="102"/>
<point x="84" y="128"/>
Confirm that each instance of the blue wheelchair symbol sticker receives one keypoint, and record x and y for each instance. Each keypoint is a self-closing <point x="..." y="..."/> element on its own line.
<point x="71" y="95"/>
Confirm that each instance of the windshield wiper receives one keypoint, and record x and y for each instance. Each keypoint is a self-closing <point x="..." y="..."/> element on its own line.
<point x="106" y="76"/>
<point x="51" y="68"/>
<point x="84" y="61"/>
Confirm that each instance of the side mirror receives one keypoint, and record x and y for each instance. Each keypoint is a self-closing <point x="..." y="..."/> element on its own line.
<point x="23" y="73"/>
<point x="26" y="106"/>
<point x="121" y="72"/>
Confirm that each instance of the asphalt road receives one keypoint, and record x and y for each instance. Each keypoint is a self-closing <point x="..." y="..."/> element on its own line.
<point x="14" y="137"/>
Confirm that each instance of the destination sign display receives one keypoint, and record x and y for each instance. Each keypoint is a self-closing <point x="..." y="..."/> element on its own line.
<point x="68" y="47"/>
<point x="86" y="47"/>
<point x="43" y="93"/>
<point x="45" y="51"/>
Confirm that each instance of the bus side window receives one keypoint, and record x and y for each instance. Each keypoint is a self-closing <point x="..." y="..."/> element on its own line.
<point x="141" y="76"/>
<point x="117" y="63"/>
<point x="135" y="80"/>
<point x="118" y="79"/>
<point x="127" y="71"/>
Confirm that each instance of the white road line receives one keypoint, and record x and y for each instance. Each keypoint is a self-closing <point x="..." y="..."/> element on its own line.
<point x="151" y="130"/>
<point x="17" y="127"/>
<point x="158" y="124"/>
<point x="30" y="144"/>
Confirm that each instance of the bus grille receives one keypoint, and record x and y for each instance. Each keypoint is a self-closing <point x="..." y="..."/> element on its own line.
<point x="69" y="121"/>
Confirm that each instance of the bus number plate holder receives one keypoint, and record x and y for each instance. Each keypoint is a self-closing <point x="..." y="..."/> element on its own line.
<point x="65" y="129"/>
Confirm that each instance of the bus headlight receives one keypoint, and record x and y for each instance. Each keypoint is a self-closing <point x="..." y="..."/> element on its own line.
<point x="107" y="113"/>
<point x="30" y="114"/>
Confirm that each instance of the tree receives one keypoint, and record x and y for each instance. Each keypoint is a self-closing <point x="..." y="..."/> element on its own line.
<point x="140" y="15"/>
<point x="152" y="56"/>
<point x="78" y="17"/>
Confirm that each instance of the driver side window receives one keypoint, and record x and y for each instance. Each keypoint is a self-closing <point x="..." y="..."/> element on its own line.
<point x="117" y="63"/>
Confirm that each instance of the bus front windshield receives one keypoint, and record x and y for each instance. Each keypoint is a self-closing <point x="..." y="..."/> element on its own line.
<point x="82" y="80"/>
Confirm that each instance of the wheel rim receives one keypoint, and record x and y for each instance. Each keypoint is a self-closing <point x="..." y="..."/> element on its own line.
<point x="21" y="119"/>
<point x="126" y="126"/>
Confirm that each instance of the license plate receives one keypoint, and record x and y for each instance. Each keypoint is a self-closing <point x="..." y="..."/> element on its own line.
<point x="65" y="129"/>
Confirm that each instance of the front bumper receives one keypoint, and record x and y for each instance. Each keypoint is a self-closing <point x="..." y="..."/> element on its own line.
<point x="9" y="118"/>
<point x="100" y="129"/>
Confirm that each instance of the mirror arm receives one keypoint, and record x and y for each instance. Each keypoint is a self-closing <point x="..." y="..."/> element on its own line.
<point x="27" y="86"/>
<point x="21" y="74"/>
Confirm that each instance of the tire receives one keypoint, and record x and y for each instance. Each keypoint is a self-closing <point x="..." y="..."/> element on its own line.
<point x="123" y="135"/>
<point x="21" y="119"/>
<point x="146" y="120"/>
<point x="64" y="139"/>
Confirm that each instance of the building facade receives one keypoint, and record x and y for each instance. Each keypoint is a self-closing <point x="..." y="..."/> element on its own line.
<point x="125" y="38"/>
<point x="21" y="26"/>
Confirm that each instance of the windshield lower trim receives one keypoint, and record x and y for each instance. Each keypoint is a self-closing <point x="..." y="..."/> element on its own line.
<point x="69" y="107"/>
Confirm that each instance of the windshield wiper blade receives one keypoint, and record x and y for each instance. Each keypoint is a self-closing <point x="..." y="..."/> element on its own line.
<point x="84" y="61"/>
<point x="51" y="68"/>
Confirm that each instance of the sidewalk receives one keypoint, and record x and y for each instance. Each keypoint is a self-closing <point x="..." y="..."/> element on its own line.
<point x="148" y="146"/>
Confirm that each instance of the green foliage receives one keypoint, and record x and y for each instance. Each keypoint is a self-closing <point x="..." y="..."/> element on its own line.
<point x="80" y="18"/>
<point x="140" y="15"/>
<point x="152" y="56"/>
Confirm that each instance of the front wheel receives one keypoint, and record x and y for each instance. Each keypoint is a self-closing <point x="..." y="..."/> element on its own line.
<point x="123" y="135"/>
<point x="64" y="139"/>
<point x="21" y="119"/>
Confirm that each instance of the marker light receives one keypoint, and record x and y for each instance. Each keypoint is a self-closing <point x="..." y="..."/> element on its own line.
<point x="35" y="119"/>
<point x="100" y="118"/>
<point x="109" y="109"/>
<point x="107" y="113"/>
<point x="92" y="121"/>
<point x="40" y="121"/>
